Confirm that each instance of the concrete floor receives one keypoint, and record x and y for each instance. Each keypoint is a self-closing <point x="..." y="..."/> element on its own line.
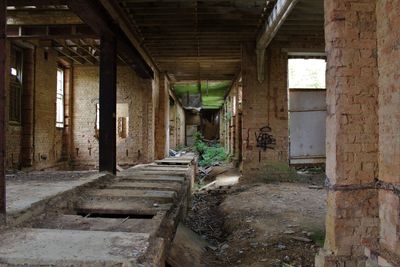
<point x="25" y="189"/>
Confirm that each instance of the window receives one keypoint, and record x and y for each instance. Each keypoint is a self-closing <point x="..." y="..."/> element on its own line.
<point x="60" y="99"/>
<point x="16" y="61"/>
<point x="123" y="120"/>
<point x="307" y="73"/>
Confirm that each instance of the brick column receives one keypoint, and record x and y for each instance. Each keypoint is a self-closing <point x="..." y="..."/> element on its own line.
<point x="262" y="104"/>
<point x="162" y="121"/>
<point x="352" y="131"/>
<point x="388" y="32"/>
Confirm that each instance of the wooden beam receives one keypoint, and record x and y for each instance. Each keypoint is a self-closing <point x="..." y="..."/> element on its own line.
<point x="94" y="15"/>
<point x="108" y="105"/>
<point x="3" y="70"/>
<point x="275" y="20"/>
<point x="51" y="32"/>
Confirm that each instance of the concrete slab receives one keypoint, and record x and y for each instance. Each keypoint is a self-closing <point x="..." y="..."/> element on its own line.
<point x="76" y="222"/>
<point x="22" y="194"/>
<point x="125" y="194"/>
<point x="71" y="248"/>
<point x="141" y="206"/>
<point x="174" y="161"/>
<point x="161" y="186"/>
<point x="152" y="178"/>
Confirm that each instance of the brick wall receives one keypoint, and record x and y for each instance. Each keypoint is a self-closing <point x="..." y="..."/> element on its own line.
<point x="36" y="135"/>
<point x="47" y="138"/>
<point x="264" y="104"/>
<point x="388" y="33"/>
<point x="131" y="90"/>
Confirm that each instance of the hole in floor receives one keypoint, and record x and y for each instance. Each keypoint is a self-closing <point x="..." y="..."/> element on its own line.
<point x="117" y="216"/>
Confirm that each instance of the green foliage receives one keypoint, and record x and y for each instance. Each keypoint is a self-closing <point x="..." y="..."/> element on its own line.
<point x="212" y="92"/>
<point x="209" y="155"/>
<point x="318" y="237"/>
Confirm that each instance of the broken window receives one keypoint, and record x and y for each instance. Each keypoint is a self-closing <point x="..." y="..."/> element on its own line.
<point x="307" y="73"/>
<point x="16" y="61"/>
<point x="60" y="99"/>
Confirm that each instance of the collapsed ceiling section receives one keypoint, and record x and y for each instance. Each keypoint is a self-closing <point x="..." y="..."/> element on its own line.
<point x="204" y="95"/>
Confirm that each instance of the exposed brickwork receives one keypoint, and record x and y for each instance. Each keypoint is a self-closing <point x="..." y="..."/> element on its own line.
<point x="230" y="118"/>
<point x="47" y="138"/>
<point x="162" y="114"/>
<point x="36" y="136"/>
<point x="352" y="129"/>
<point x="264" y="104"/>
<point x="388" y="34"/>
<point x="176" y="124"/>
<point x="131" y="89"/>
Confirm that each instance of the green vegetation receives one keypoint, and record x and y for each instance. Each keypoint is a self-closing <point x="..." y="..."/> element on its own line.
<point x="212" y="92"/>
<point x="208" y="154"/>
<point x="318" y="237"/>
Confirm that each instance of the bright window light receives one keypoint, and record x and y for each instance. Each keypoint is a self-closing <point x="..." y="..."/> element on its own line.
<point x="307" y="73"/>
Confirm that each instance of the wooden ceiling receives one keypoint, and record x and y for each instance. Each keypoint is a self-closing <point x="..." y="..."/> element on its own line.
<point x="306" y="21"/>
<point x="194" y="40"/>
<point x="190" y="40"/>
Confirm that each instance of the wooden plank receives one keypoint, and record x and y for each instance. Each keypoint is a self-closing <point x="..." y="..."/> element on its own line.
<point x="108" y="105"/>
<point x="3" y="53"/>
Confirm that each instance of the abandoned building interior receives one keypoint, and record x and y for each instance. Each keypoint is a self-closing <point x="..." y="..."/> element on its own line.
<point x="97" y="97"/>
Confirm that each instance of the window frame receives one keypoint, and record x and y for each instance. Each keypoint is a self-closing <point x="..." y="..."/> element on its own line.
<point x="60" y="99"/>
<point x="16" y="86"/>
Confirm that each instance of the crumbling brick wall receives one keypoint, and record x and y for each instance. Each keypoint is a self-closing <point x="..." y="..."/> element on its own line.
<point x="132" y="90"/>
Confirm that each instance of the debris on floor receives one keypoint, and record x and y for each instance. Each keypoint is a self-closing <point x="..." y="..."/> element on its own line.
<point x="259" y="224"/>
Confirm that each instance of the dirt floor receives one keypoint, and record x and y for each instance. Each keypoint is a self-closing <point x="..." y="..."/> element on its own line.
<point x="261" y="224"/>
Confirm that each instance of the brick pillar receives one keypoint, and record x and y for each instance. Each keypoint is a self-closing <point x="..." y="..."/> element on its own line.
<point x="388" y="32"/>
<point x="3" y="25"/>
<point x="264" y="104"/>
<point x="162" y="118"/>
<point x="352" y="131"/>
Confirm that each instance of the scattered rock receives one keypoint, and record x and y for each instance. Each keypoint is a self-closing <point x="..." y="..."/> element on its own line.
<point x="303" y="239"/>
<point x="289" y="232"/>
<point x="281" y="246"/>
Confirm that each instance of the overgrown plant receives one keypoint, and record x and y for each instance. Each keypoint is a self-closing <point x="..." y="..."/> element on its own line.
<point x="209" y="155"/>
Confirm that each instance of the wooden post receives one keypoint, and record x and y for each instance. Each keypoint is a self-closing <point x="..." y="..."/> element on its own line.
<point x="3" y="25"/>
<point x="108" y="104"/>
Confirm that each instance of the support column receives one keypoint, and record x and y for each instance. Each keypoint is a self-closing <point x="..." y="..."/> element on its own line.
<point x="108" y="105"/>
<point x="352" y="131"/>
<point x="162" y="123"/>
<point x="3" y="25"/>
